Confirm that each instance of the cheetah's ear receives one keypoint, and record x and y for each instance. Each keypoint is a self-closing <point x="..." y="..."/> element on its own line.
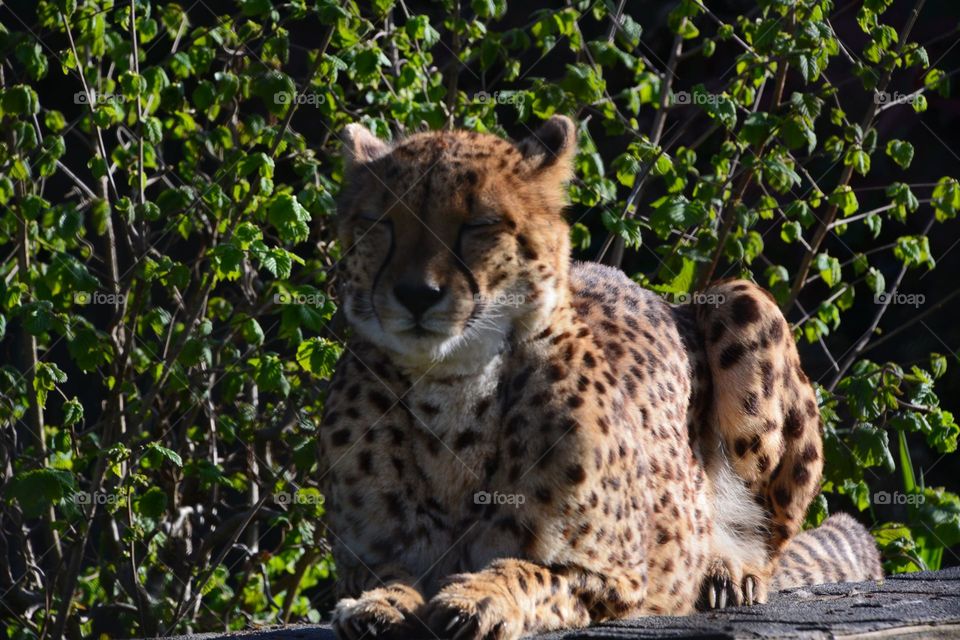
<point x="360" y="146"/>
<point x="551" y="147"/>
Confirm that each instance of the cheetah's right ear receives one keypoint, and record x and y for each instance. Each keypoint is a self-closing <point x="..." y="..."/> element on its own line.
<point x="360" y="146"/>
<point x="552" y="147"/>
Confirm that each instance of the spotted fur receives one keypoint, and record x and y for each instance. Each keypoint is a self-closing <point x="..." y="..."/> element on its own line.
<point x="513" y="443"/>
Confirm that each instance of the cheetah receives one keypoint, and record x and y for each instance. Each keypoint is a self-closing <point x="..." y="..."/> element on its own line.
<point x="514" y="443"/>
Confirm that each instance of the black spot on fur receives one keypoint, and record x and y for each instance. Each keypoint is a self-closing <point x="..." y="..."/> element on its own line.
<point x="481" y="408"/>
<point x="810" y="453"/>
<point x="365" y="462"/>
<point x="576" y="474"/>
<point x="766" y="378"/>
<point x="775" y="330"/>
<point x="731" y="355"/>
<point x="745" y="310"/>
<point x="380" y="401"/>
<point x="793" y="424"/>
<point x="782" y="496"/>
<point x="466" y="439"/>
<point x="717" y="331"/>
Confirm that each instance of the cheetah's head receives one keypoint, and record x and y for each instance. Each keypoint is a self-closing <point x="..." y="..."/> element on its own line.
<point x="454" y="242"/>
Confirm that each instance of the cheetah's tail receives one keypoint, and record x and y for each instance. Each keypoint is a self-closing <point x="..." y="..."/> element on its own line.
<point x="839" y="550"/>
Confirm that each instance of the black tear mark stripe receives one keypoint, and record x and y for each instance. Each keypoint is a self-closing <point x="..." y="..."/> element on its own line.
<point x="383" y="265"/>
<point x="461" y="265"/>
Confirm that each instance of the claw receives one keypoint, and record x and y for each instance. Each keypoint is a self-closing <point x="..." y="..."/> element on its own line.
<point x="722" y="603"/>
<point x="346" y="631"/>
<point x="469" y="630"/>
<point x="748" y="591"/>
<point x="712" y="595"/>
<point x="455" y="619"/>
<point x="356" y="631"/>
<point x="495" y="633"/>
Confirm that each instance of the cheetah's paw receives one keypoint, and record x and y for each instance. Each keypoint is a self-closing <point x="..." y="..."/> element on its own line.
<point x="465" y="611"/>
<point x="369" y="616"/>
<point x="726" y="586"/>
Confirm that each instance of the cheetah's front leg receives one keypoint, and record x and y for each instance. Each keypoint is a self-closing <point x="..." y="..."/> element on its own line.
<point x="761" y="439"/>
<point x="511" y="598"/>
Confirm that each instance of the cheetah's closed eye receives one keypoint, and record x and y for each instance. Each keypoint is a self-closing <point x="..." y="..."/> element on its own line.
<point x="514" y="443"/>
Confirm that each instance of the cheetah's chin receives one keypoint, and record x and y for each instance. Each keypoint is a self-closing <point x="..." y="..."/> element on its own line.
<point x="455" y="352"/>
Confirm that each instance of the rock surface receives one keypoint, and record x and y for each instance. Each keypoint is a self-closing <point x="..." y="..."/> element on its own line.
<point x="918" y="605"/>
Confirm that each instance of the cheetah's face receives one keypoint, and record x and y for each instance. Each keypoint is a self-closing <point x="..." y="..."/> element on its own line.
<point x="453" y="242"/>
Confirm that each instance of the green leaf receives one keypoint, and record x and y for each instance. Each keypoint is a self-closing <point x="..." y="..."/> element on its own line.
<point x="901" y="152"/>
<point x="757" y="127"/>
<point x="252" y="332"/>
<point x="790" y="231"/>
<point x="153" y="503"/>
<point x="860" y="160"/>
<point x="269" y="374"/>
<point x="72" y="412"/>
<point x="938" y="364"/>
<point x="946" y="198"/>
<point x="419" y="28"/>
<point x="817" y="512"/>
<point x="896" y="544"/>
<point x="164" y="452"/>
<point x="829" y="268"/>
<point x="845" y="199"/>
<point x="20" y="100"/>
<point x="903" y="200"/>
<point x="318" y="356"/>
<point x="871" y="446"/>
<point x="914" y="251"/>
<point x="943" y="431"/>
<point x="579" y="238"/>
<point x="626" y="228"/>
<point x="940" y="514"/>
<point x="38" y="489"/>
<point x="31" y="56"/>
<point x="289" y="217"/>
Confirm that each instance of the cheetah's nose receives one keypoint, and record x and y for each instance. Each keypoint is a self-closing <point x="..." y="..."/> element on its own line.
<point x="418" y="297"/>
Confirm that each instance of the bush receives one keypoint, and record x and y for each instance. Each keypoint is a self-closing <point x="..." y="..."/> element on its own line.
<point x="167" y="313"/>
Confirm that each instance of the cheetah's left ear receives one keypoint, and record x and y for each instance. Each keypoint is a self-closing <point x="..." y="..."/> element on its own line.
<point x="360" y="146"/>
<point x="552" y="147"/>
